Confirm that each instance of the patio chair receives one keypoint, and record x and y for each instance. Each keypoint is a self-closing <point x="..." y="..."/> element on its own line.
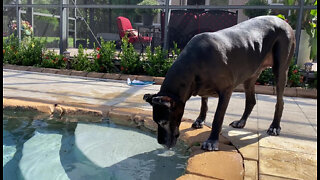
<point x="125" y="27"/>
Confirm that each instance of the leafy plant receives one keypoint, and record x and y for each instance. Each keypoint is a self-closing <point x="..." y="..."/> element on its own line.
<point x="311" y="29"/>
<point x="157" y="63"/>
<point x="27" y="53"/>
<point x="266" y="77"/>
<point x="295" y="79"/>
<point x="31" y="51"/>
<point x="256" y="12"/>
<point x="52" y="60"/>
<point x="175" y="52"/>
<point x="148" y="11"/>
<point x="103" y="57"/>
<point x="130" y="60"/>
<point x="309" y="23"/>
<point x="81" y="61"/>
<point x="10" y="50"/>
<point x="315" y="82"/>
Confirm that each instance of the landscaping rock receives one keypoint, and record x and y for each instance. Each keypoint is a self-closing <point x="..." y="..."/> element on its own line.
<point x="22" y="68"/>
<point x="307" y="93"/>
<point x="126" y="76"/>
<point x="95" y="75"/>
<point x="150" y="124"/>
<point x="264" y="89"/>
<point x="35" y="69"/>
<point x="222" y="165"/>
<point x="145" y="78"/>
<point x="121" y="118"/>
<point x="50" y="70"/>
<point x="79" y="73"/>
<point x="158" y="80"/>
<point x="64" y="72"/>
<point x="292" y="92"/>
<point x="111" y="76"/>
<point x="193" y="177"/>
<point x="8" y="66"/>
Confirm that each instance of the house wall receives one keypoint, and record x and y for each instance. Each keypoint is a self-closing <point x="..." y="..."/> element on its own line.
<point x="241" y="16"/>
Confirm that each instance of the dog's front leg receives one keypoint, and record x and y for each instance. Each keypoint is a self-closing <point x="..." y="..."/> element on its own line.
<point x="203" y="113"/>
<point x="213" y="141"/>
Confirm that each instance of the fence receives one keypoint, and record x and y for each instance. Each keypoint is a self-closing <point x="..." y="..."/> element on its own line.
<point x="66" y="9"/>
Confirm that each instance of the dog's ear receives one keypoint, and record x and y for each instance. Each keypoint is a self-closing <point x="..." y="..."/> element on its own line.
<point x="148" y="98"/>
<point x="163" y="100"/>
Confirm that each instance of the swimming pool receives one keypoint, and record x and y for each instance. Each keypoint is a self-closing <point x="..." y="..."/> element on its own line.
<point x="36" y="146"/>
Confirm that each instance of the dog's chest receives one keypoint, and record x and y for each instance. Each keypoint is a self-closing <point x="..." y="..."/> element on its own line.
<point x="205" y="91"/>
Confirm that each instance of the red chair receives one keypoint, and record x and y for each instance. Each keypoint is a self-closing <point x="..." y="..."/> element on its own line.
<point x="124" y="26"/>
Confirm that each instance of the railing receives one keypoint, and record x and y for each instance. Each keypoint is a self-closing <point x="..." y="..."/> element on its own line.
<point x="64" y="6"/>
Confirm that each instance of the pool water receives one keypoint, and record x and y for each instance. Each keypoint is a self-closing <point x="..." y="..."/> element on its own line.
<point x="38" y="147"/>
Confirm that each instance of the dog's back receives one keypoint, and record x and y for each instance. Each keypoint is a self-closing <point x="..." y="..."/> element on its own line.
<point x="250" y="45"/>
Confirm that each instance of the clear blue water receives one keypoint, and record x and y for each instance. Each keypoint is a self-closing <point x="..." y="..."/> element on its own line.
<point x="38" y="147"/>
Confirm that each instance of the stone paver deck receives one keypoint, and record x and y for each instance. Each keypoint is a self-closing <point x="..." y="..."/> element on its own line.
<point x="292" y="155"/>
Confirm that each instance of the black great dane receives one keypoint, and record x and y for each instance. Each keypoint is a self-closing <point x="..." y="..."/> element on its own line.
<point x="213" y="64"/>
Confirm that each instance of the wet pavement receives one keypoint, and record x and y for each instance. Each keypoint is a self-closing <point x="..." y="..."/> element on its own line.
<point x="292" y="155"/>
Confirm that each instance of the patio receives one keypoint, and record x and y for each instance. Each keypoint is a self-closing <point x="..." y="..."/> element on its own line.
<point x="292" y="155"/>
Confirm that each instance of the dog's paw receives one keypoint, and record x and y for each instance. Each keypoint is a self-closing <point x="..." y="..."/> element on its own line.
<point x="197" y="124"/>
<point x="238" y="124"/>
<point x="210" y="145"/>
<point x="274" y="131"/>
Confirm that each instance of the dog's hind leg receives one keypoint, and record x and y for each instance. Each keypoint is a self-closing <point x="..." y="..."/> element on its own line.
<point x="275" y="128"/>
<point x="203" y="113"/>
<point x="250" y="103"/>
<point x="280" y="69"/>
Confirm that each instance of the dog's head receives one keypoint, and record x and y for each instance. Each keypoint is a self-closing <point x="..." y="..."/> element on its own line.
<point x="167" y="113"/>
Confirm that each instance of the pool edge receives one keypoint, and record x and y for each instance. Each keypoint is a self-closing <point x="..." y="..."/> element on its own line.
<point x="227" y="163"/>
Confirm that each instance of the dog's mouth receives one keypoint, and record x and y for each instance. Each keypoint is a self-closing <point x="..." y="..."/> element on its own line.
<point x="168" y="144"/>
<point x="168" y="141"/>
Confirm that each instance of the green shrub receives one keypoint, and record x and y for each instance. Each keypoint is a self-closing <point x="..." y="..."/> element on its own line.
<point x="81" y="61"/>
<point x="31" y="51"/>
<point x="52" y="60"/>
<point x="10" y="50"/>
<point x="251" y="13"/>
<point x="175" y="52"/>
<point x="295" y="79"/>
<point x="315" y="82"/>
<point x="157" y="63"/>
<point x="103" y="57"/>
<point x="130" y="60"/>
<point x="266" y="77"/>
<point x="148" y="11"/>
<point x="27" y="53"/>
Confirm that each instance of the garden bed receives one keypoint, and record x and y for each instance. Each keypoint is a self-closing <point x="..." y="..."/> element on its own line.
<point x="260" y="89"/>
<point x="106" y="62"/>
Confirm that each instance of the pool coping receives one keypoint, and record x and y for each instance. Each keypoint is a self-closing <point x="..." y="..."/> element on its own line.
<point x="259" y="89"/>
<point x="227" y="163"/>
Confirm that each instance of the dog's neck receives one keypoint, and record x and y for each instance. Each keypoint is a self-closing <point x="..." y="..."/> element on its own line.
<point x="176" y="84"/>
